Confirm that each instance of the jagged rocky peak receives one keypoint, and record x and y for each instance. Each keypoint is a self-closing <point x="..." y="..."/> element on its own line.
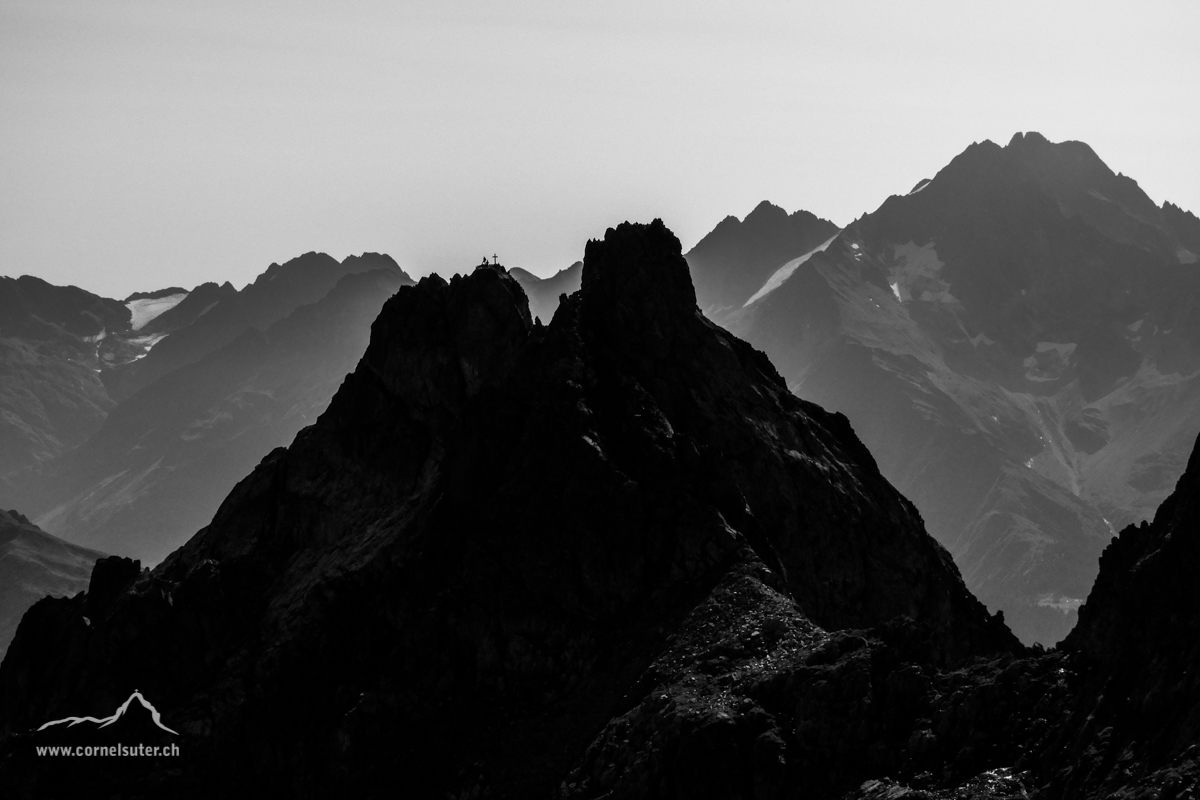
<point x="487" y="539"/>
<point x="440" y="342"/>
<point x="636" y="286"/>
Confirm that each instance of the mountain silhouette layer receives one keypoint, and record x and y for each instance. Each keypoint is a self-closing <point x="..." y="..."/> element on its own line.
<point x="488" y="543"/>
<point x="1017" y="343"/>
<point x="266" y="365"/>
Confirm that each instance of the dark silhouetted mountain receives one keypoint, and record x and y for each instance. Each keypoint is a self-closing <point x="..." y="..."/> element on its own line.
<point x="1017" y="342"/>
<point x="543" y="293"/>
<point x="34" y="564"/>
<point x="501" y="539"/>
<point x="1140" y="628"/>
<point x="158" y="468"/>
<point x="736" y="258"/>
<point x="272" y="296"/>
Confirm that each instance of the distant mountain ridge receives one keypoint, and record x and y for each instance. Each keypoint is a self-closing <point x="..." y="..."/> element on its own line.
<point x="543" y="293"/>
<point x="734" y="259"/>
<point x="155" y="424"/>
<point x="156" y="294"/>
<point x="271" y="296"/>
<point x="1017" y="341"/>
<point x="162" y="460"/>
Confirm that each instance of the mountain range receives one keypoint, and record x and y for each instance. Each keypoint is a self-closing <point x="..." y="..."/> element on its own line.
<point x="223" y="377"/>
<point x="609" y="556"/>
<point x="1016" y="342"/>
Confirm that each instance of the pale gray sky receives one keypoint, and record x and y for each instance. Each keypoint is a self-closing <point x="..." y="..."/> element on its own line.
<point x="148" y="144"/>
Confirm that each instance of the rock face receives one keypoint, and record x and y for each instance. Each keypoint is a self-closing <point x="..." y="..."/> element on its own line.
<point x="1016" y="343"/>
<point x="502" y="538"/>
<point x="33" y="565"/>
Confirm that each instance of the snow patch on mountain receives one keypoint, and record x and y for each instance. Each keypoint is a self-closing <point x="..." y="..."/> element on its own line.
<point x="783" y="273"/>
<point x="144" y="310"/>
<point x="919" y="187"/>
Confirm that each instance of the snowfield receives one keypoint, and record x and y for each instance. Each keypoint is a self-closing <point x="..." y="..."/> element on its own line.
<point x="785" y="272"/>
<point x="145" y="310"/>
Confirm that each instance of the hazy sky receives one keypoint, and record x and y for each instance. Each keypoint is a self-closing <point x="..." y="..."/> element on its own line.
<point x="148" y="144"/>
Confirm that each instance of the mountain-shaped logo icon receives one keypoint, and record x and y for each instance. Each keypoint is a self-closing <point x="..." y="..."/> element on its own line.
<point x="106" y="721"/>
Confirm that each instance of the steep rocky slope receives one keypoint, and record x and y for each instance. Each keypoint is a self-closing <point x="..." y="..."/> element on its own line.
<point x="163" y="460"/>
<point x="492" y="547"/>
<point x="1017" y="341"/>
<point x="34" y="564"/>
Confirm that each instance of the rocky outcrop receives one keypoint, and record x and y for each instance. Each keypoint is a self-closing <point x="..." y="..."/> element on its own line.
<point x="502" y="538"/>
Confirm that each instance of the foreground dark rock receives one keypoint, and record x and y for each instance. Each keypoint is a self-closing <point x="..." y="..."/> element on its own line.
<point x="462" y="572"/>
